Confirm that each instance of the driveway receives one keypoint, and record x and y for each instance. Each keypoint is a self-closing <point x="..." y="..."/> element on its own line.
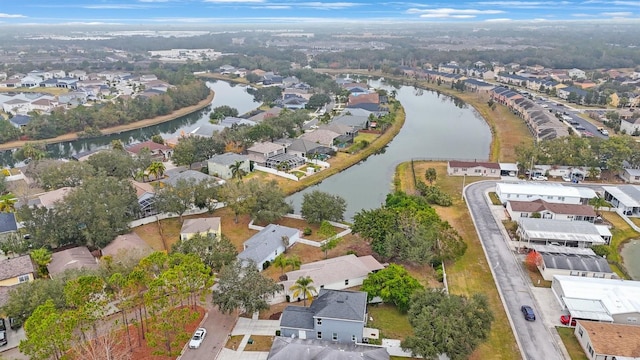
<point x="218" y="327"/>
<point x="535" y="339"/>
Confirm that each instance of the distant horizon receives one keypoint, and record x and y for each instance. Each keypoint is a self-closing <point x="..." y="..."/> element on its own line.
<point x="228" y="12"/>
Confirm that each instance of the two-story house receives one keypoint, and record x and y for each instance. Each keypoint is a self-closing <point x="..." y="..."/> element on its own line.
<point x="334" y="315"/>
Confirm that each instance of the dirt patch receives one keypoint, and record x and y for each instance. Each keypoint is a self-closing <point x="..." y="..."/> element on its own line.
<point x="255" y="343"/>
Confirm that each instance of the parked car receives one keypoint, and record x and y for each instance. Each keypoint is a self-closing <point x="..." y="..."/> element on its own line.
<point x="15" y="324"/>
<point x="528" y="313"/>
<point x="3" y="332"/>
<point x="540" y="178"/>
<point x="197" y="338"/>
<point x="566" y="178"/>
<point x="565" y="319"/>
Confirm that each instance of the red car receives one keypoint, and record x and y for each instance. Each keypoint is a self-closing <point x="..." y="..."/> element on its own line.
<point x="564" y="319"/>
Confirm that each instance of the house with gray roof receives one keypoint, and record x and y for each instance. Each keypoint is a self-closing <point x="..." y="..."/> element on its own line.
<point x="626" y="198"/>
<point x="172" y="177"/>
<point x="220" y="165"/>
<point x="8" y="225"/>
<point x="561" y="232"/>
<point x="333" y="316"/>
<point x="321" y="136"/>
<point x="357" y="122"/>
<point x="75" y="258"/>
<point x="285" y="348"/>
<point x="263" y="247"/>
<point x="261" y="151"/>
<point x="628" y="175"/>
<point x="584" y="263"/>
<point x="305" y="148"/>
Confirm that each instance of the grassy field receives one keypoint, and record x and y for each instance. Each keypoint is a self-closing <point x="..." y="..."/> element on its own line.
<point x="392" y="323"/>
<point x="44" y="90"/>
<point x="622" y="233"/>
<point x="571" y="343"/>
<point x="470" y="274"/>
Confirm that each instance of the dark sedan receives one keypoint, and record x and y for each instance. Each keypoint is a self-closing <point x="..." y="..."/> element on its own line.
<point x="528" y="313"/>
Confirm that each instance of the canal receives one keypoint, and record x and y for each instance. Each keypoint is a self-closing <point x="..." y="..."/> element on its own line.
<point x="436" y="127"/>
<point x="631" y="258"/>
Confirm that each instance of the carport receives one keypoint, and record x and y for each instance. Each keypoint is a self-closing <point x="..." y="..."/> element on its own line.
<point x="587" y="309"/>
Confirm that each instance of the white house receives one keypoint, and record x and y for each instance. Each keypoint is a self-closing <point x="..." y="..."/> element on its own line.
<point x="631" y="175"/>
<point x="336" y="274"/>
<point x="630" y="126"/>
<point x="547" y="210"/>
<point x="603" y="341"/>
<point x="589" y="298"/>
<point x="270" y="242"/>
<point x="553" y="193"/>
<point x="473" y="168"/>
<point x="560" y="232"/>
<point x="626" y="198"/>
<point x="577" y="73"/>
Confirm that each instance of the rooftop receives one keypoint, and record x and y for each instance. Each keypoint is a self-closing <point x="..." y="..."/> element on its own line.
<point x="617" y="296"/>
<point x="74" y="258"/>
<point x="545" y="189"/>
<point x="471" y="164"/>
<point x="125" y="243"/>
<point x="540" y="205"/>
<point x="613" y="339"/>
<point x="48" y="199"/>
<point x="593" y="263"/>
<point x="8" y="222"/>
<point x="629" y="195"/>
<point x="175" y="176"/>
<point x="227" y="159"/>
<point x="267" y="240"/>
<point x="285" y="348"/>
<point x="334" y="270"/>
<point x="265" y="147"/>
<point x="333" y="304"/>
<point x="14" y="267"/>
<point x="201" y="225"/>
<point x="550" y="229"/>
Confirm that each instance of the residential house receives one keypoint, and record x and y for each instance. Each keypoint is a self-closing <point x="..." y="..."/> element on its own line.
<point x="286" y="348"/>
<point x="571" y="261"/>
<point x="284" y="161"/>
<point x="220" y="165"/>
<point x="562" y="233"/>
<point x="370" y="98"/>
<point x="626" y="198"/>
<point x="293" y="102"/>
<point x="17" y="270"/>
<point x="74" y="258"/>
<point x="335" y="274"/>
<point x="333" y="316"/>
<point x="31" y="81"/>
<point x="8" y="225"/>
<point x="576" y="74"/>
<point x="290" y="81"/>
<point x="146" y="198"/>
<point x="603" y="341"/>
<point x="16" y="106"/>
<point x="158" y="151"/>
<point x="479" y="86"/>
<point x="20" y="121"/>
<point x="555" y="193"/>
<point x="261" y="151"/>
<point x="57" y="74"/>
<point x="547" y="210"/>
<point x="43" y="104"/>
<point x="565" y="93"/>
<point x="356" y="122"/>
<point x="209" y="226"/>
<point x="174" y="175"/>
<point x="597" y="299"/>
<point x="473" y="168"/>
<point x="307" y="149"/>
<point x="127" y="244"/>
<point x="78" y="74"/>
<point x="630" y="125"/>
<point x="262" y="115"/>
<point x="263" y="247"/>
<point x="321" y="136"/>
<point x="50" y="198"/>
<point x="631" y="176"/>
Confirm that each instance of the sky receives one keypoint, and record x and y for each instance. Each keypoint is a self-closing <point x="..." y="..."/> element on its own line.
<point x="277" y="11"/>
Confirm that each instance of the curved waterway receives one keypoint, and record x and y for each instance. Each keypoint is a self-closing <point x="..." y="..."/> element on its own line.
<point x="631" y="258"/>
<point x="436" y="127"/>
<point x="226" y="93"/>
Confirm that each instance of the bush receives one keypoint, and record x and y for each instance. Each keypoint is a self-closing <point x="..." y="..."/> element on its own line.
<point x="288" y="298"/>
<point x="352" y="252"/>
<point x="265" y="265"/>
<point x="278" y="332"/>
<point x="307" y="231"/>
<point x="601" y="250"/>
<point x="439" y="274"/>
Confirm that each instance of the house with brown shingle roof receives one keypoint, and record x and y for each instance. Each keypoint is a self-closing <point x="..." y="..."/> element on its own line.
<point x="205" y="226"/>
<point x="601" y="340"/>
<point x="371" y="98"/>
<point x="321" y="136"/>
<point x="158" y="151"/>
<point x="547" y="210"/>
<point x="127" y="243"/>
<point x="75" y="258"/>
<point x="49" y="198"/>
<point x="473" y="168"/>
<point x="16" y="270"/>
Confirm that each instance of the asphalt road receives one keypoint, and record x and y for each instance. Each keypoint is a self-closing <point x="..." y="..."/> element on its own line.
<point x="534" y="339"/>
<point x="218" y="327"/>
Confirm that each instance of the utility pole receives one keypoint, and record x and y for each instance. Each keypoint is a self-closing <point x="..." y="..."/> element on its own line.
<point x="464" y="178"/>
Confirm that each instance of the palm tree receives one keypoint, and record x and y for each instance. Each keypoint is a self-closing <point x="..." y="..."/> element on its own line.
<point x="280" y="261"/>
<point x="597" y="203"/>
<point x="157" y="169"/>
<point x="303" y="287"/>
<point x="294" y="261"/>
<point x="237" y="172"/>
<point x="8" y="203"/>
<point x="42" y="257"/>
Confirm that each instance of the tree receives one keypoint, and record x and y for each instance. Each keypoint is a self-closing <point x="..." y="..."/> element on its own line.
<point x="267" y="202"/>
<point x="598" y="203"/>
<point x="533" y="260"/>
<point x="294" y="261"/>
<point x="215" y="253"/>
<point x="42" y="257"/>
<point x="115" y="163"/>
<point x="430" y="174"/>
<point x="193" y="149"/>
<point x="236" y="170"/>
<point x="45" y="321"/>
<point x="3" y="183"/>
<point x="117" y="145"/>
<point x="56" y="174"/>
<point x="242" y="288"/>
<point x="222" y="112"/>
<point x="206" y="195"/>
<point x="281" y="262"/>
<point x="8" y="202"/>
<point x="156" y="169"/>
<point x="329" y="234"/>
<point x="24" y="299"/>
<point x="30" y="151"/>
<point x="392" y="284"/>
<point x="303" y="287"/>
<point x="317" y="101"/>
<point x="236" y="196"/>
<point x="447" y="324"/>
<point x="157" y="138"/>
<point x="318" y="206"/>
<point x="177" y="198"/>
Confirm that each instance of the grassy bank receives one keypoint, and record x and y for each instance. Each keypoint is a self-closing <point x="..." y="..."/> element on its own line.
<point x="45" y="90"/>
<point x="471" y="273"/>
<point x="120" y="128"/>
<point x="622" y="233"/>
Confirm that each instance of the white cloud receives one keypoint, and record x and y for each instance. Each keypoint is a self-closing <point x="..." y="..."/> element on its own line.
<point x="448" y="13"/>
<point x="582" y="15"/>
<point x="273" y="7"/>
<point x="617" y="14"/>
<point x="117" y="6"/>
<point x="499" y="20"/>
<point x="523" y="4"/>
<point x="153" y="1"/>
<point x="11" y="16"/>
<point x="616" y="2"/>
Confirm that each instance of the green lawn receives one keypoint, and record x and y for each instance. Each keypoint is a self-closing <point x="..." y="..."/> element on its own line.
<point x="621" y="232"/>
<point x="391" y="323"/>
<point x="571" y="343"/>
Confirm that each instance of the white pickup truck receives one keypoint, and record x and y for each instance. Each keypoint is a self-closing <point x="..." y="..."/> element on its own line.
<point x="603" y="131"/>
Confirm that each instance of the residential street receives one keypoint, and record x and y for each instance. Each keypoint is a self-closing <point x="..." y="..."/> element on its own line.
<point x="535" y="340"/>
<point x="218" y="326"/>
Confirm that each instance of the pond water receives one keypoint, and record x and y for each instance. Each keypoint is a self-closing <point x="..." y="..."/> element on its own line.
<point x="631" y="258"/>
<point x="436" y="127"/>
